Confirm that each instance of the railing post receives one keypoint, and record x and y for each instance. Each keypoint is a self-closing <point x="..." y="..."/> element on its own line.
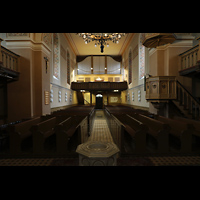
<point x="0" y="50"/>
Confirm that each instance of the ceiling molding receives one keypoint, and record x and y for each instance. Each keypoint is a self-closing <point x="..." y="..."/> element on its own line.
<point x="71" y="43"/>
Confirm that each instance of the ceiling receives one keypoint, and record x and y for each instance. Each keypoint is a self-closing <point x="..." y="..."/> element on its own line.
<point x="80" y="48"/>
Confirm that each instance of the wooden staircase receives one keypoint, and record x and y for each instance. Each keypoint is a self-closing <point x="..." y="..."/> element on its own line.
<point x="166" y="89"/>
<point x="186" y="103"/>
<point x="80" y="98"/>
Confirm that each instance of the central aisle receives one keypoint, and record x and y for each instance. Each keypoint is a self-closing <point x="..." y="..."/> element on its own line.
<point x="100" y="130"/>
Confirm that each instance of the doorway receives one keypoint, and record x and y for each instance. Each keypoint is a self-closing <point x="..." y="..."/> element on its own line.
<point x="99" y="101"/>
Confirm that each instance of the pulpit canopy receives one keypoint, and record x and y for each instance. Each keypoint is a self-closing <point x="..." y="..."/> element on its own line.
<point x="152" y="40"/>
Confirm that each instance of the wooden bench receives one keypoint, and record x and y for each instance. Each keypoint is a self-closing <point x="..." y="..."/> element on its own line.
<point x="158" y="130"/>
<point x="61" y="136"/>
<point x="20" y="133"/>
<point x="41" y="132"/>
<point x="180" y="130"/>
<point x="137" y="130"/>
<point x="79" y="111"/>
<point x="72" y="130"/>
<point x="195" y="123"/>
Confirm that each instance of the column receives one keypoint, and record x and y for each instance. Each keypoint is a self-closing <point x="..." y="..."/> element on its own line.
<point x="0" y="50"/>
<point x="107" y="98"/>
<point x="90" y="98"/>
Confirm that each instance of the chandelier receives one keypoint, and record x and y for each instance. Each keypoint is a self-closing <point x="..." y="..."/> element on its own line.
<point x="101" y="38"/>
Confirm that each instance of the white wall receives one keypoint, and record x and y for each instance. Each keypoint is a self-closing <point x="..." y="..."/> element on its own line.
<point x="61" y="84"/>
<point x="137" y="84"/>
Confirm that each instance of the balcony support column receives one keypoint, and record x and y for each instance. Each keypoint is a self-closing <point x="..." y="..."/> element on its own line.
<point x="91" y="98"/>
<point x="0" y="51"/>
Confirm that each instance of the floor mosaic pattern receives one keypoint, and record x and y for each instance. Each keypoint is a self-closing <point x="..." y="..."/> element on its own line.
<point x="100" y="130"/>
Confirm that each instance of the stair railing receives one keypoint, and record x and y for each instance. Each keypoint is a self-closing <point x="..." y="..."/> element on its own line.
<point x="188" y="101"/>
<point x="86" y="101"/>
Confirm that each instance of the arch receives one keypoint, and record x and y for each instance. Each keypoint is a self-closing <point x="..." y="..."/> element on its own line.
<point x="141" y="56"/>
<point x="56" y="56"/>
<point x="130" y="66"/>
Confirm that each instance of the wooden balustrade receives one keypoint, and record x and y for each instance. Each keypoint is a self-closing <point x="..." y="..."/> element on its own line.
<point x="164" y="88"/>
<point x="189" y="58"/>
<point x="9" y="59"/>
<point x="188" y="101"/>
<point x="99" y="86"/>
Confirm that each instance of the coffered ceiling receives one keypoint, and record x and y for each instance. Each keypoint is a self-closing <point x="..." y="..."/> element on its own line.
<point x="80" y="48"/>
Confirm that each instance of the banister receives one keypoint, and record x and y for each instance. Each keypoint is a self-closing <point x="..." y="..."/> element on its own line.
<point x="9" y="59"/>
<point x="188" y="92"/>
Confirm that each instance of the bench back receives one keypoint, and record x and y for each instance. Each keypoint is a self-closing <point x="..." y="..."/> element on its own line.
<point x="195" y="123"/>
<point x="25" y="126"/>
<point x="45" y="125"/>
<point x="176" y="125"/>
<point x="137" y="125"/>
<point x="151" y="123"/>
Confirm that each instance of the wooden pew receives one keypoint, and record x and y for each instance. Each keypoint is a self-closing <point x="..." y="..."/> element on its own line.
<point x="137" y="130"/>
<point x="72" y="130"/>
<point x="196" y="132"/>
<point x="158" y="130"/>
<point x="195" y="123"/>
<point x="180" y="130"/>
<point x="41" y="132"/>
<point x="79" y="111"/>
<point x="20" y="133"/>
<point x="61" y="136"/>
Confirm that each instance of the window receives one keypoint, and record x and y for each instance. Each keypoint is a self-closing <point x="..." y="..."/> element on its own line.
<point x="68" y="67"/>
<point x="130" y="66"/>
<point x="141" y="56"/>
<point x="56" y="59"/>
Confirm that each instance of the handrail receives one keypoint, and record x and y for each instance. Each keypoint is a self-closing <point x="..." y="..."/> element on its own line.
<point x="189" y="58"/>
<point x="9" y="59"/>
<point x="86" y="101"/>
<point x="189" y="102"/>
<point x="188" y="92"/>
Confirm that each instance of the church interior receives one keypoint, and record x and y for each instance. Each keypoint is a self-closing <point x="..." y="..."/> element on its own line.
<point x="99" y="99"/>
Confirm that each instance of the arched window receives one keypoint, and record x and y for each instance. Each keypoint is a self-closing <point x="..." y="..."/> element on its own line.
<point x="141" y="56"/>
<point x="56" y="58"/>
<point x="68" y="67"/>
<point x="130" y="66"/>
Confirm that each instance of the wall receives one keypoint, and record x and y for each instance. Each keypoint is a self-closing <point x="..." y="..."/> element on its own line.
<point x="26" y="97"/>
<point x="137" y="85"/>
<point x="164" y="60"/>
<point x="61" y="84"/>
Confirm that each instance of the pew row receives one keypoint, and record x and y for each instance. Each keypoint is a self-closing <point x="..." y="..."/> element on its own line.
<point x="157" y="130"/>
<point x="65" y="129"/>
<point x="180" y="132"/>
<point x="21" y="138"/>
<point x="195" y="123"/>
<point x="20" y="134"/>
<point x="136" y="131"/>
<point x="128" y="133"/>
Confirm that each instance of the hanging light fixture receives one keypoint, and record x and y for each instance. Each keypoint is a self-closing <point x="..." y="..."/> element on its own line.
<point x="101" y="38"/>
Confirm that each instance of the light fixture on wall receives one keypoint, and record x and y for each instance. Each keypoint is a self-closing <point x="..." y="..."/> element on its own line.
<point x="101" y="38"/>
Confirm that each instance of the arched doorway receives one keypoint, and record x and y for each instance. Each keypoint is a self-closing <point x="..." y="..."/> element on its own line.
<point x="99" y="101"/>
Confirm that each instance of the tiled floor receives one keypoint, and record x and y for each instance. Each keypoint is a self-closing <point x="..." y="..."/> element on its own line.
<point x="101" y="132"/>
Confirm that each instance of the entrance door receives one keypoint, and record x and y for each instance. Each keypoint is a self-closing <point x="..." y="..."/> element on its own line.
<point x="99" y="101"/>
